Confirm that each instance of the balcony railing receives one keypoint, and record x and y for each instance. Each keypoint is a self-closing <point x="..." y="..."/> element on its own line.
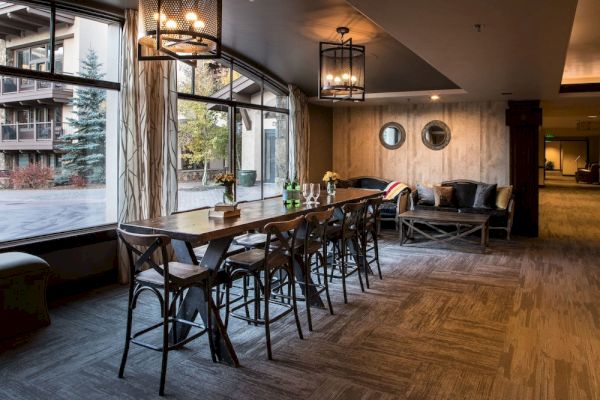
<point x="11" y="84"/>
<point x="38" y="131"/>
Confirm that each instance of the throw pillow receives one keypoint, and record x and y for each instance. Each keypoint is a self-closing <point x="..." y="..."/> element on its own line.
<point x="464" y="194"/>
<point x="485" y="196"/>
<point x="444" y="196"/>
<point x="393" y="189"/>
<point x="503" y="195"/>
<point x="425" y="195"/>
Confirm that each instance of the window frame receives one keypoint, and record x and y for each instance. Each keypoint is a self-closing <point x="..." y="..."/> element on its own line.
<point x="261" y="78"/>
<point x="71" y="235"/>
<point x="52" y="75"/>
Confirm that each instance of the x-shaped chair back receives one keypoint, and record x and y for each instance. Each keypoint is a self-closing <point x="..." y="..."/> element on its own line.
<point x="316" y="226"/>
<point x="281" y="241"/>
<point x="140" y="251"/>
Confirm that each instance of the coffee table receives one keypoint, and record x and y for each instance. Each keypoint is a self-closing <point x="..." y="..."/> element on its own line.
<point x="465" y="224"/>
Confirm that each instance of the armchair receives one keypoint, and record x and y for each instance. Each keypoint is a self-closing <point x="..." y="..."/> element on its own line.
<point x="588" y="174"/>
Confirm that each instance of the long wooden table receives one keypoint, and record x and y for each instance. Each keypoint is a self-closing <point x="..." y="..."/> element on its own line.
<point x="192" y="228"/>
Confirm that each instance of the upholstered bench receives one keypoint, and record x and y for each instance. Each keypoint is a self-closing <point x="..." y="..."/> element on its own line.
<point x="23" y="306"/>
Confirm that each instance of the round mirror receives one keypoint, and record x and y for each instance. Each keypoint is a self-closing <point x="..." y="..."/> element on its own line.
<point x="392" y="135"/>
<point x="436" y="135"/>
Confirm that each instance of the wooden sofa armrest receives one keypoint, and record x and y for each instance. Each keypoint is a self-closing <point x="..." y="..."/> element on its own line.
<point x="402" y="204"/>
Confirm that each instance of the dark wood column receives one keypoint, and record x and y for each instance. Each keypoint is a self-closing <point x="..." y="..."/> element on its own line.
<point x="524" y="119"/>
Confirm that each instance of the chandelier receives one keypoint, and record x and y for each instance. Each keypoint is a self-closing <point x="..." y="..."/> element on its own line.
<point x="342" y="69"/>
<point x="179" y="29"/>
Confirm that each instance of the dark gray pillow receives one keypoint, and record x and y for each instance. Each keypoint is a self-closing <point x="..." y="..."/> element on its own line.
<point x="464" y="193"/>
<point x="426" y="197"/>
<point x="485" y="196"/>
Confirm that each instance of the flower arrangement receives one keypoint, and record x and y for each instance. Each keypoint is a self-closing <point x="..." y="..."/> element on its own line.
<point x="225" y="178"/>
<point x="330" y="176"/>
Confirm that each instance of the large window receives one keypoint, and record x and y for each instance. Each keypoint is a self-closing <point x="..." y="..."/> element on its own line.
<point x="231" y="118"/>
<point x="58" y="137"/>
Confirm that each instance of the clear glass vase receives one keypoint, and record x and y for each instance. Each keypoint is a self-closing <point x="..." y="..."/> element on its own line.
<point x="228" y="194"/>
<point x="331" y="188"/>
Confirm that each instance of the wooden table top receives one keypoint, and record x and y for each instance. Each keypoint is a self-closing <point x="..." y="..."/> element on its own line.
<point x="196" y="227"/>
<point x="446" y="217"/>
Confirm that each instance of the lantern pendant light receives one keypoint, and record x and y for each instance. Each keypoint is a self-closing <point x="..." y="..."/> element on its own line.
<point x="179" y="29"/>
<point x="342" y="69"/>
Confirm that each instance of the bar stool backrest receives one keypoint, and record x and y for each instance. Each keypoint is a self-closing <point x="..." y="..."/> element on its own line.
<point x="353" y="218"/>
<point x="316" y="227"/>
<point x="281" y="240"/>
<point x="373" y="211"/>
<point x="140" y="252"/>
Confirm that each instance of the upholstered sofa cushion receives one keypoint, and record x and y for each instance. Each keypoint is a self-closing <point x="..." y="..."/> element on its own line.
<point x="434" y="208"/>
<point x="370" y="183"/>
<point x="425" y="196"/>
<point x="497" y="217"/>
<point x="464" y="193"/>
<point x="503" y="194"/>
<point x="443" y="196"/>
<point x="388" y="209"/>
<point x="485" y="196"/>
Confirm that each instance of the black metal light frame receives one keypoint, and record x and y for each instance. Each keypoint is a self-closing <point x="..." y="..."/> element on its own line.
<point x="166" y="54"/>
<point x="343" y="92"/>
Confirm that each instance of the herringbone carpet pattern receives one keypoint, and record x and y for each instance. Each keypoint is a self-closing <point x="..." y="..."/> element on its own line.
<point x="520" y="322"/>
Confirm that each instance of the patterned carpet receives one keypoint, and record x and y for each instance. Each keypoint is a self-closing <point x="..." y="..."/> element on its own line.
<point x="520" y="322"/>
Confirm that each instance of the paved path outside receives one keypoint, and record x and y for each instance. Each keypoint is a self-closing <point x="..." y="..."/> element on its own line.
<point x="27" y="213"/>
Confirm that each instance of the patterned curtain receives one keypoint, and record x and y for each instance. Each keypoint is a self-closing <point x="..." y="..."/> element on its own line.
<point x="148" y="139"/>
<point x="299" y="134"/>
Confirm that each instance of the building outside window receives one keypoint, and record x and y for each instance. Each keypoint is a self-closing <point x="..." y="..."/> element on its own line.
<point x="58" y="142"/>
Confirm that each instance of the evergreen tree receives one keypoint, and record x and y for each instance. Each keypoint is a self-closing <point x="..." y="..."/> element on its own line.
<point x="85" y="147"/>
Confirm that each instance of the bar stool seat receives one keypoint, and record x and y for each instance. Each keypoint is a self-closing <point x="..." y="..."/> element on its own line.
<point x="249" y="259"/>
<point x="182" y="274"/>
<point x="250" y="240"/>
<point x="200" y="251"/>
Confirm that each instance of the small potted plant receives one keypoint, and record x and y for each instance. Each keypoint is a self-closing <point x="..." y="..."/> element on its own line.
<point x="228" y="180"/>
<point x="330" y="178"/>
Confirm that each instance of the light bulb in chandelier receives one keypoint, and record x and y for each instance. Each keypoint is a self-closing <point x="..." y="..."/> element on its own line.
<point x="199" y="24"/>
<point x="345" y="77"/>
<point x="337" y="79"/>
<point x="191" y="16"/>
<point x="163" y="17"/>
<point x="171" y="24"/>
<point x="353" y="79"/>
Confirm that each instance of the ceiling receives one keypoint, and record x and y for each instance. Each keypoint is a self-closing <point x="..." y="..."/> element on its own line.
<point x="417" y="48"/>
<point x="582" y="64"/>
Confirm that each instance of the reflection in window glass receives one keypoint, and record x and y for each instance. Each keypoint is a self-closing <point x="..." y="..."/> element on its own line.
<point x="274" y="97"/>
<point x="203" y="152"/>
<point x="276" y="152"/>
<point x="212" y="79"/>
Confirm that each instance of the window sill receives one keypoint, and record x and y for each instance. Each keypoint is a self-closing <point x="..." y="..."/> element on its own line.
<point x="63" y="240"/>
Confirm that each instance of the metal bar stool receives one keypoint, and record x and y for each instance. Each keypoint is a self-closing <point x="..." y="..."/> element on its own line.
<point x="315" y="248"/>
<point x="169" y="278"/>
<point x="261" y="266"/>
<point x="369" y="241"/>
<point x="345" y="242"/>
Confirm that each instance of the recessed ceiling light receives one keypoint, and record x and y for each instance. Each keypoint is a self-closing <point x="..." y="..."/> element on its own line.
<point x="592" y="116"/>
<point x="435" y="97"/>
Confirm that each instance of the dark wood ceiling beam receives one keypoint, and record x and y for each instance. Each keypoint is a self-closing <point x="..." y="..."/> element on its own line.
<point x="29" y="20"/>
<point x="46" y="14"/>
<point x="5" y="30"/>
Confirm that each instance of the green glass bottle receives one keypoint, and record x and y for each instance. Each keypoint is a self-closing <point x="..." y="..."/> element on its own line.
<point x="296" y="189"/>
<point x="287" y="193"/>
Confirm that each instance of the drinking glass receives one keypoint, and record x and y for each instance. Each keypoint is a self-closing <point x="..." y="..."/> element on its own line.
<point x="316" y="192"/>
<point x="306" y="192"/>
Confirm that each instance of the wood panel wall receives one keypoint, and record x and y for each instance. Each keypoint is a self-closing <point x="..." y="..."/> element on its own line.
<point x="479" y="149"/>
